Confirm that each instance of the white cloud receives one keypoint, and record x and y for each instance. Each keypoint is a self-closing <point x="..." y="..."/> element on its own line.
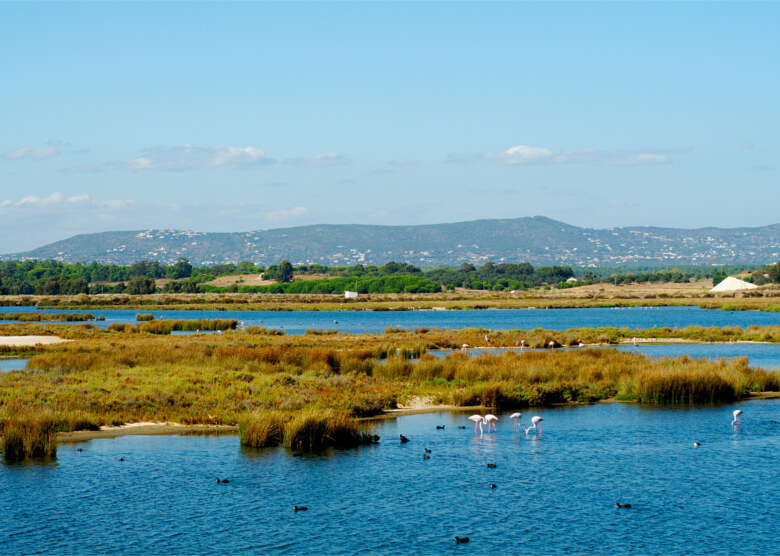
<point x="173" y="159"/>
<point x="57" y="202"/>
<point x="321" y="160"/>
<point x="524" y="154"/>
<point x="295" y="212"/>
<point x="52" y="148"/>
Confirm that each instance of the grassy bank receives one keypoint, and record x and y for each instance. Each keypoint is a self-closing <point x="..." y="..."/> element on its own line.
<point x="117" y="377"/>
<point x="49" y="317"/>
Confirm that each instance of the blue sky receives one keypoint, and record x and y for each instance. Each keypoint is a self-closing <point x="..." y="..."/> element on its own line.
<point x="245" y="116"/>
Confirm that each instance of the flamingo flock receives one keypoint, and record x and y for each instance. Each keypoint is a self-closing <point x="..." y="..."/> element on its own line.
<point x="490" y="420"/>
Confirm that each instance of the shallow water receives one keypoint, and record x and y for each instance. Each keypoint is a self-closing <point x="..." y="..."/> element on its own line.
<point x="555" y="493"/>
<point x="766" y="356"/>
<point x="12" y="364"/>
<point x="362" y="322"/>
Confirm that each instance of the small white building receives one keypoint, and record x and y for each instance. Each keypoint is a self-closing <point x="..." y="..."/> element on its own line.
<point x="350" y="295"/>
<point x="731" y="284"/>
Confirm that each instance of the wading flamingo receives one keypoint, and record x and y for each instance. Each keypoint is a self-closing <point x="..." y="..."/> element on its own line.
<point x="516" y="417"/>
<point x="490" y="418"/>
<point x="535" y="420"/>
<point x="737" y="413"/>
<point x="478" y="420"/>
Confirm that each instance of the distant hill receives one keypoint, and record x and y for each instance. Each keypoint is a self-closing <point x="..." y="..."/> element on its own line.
<point x="538" y="240"/>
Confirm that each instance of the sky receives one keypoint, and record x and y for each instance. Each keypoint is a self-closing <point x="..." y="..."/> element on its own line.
<point x="222" y="117"/>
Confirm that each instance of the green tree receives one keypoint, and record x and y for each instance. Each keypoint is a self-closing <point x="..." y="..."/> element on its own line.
<point x="284" y="273"/>
<point x="140" y="285"/>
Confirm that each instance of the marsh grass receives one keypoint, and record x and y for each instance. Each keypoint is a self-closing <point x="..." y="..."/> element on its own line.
<point x="306" y="431"/>
<point x="144" y="317"/>
<point x="48" y="317"/>
<point x="28" y="434"/>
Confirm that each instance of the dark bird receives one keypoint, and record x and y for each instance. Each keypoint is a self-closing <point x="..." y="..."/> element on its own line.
<point x="462" y="426"/>
<point x="619" y="505"/>
<point x="427" y="451"/>
<point x="439" y="427"/>
<point x="492" y="486"/>
<point x="222" y="481"/>
<point x="696" y="444"/>
<point x="491" y="465"/>
<point x="403" y="439"/>
<point x="121" y="459"/>
<point x="300" y="508"/>
<point x="79" y="450"/>
<point x="459" y="540"/>
<point x="426" y="456"/>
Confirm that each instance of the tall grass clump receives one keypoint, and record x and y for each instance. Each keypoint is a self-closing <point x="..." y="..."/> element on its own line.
<point x="262" y="428"/>
<point x="306" y="431"/>
<point x="28" y="434"/>
<point x="144" y="317"/>
<point x="677" y="386"/>
<point x="168" y="326"/>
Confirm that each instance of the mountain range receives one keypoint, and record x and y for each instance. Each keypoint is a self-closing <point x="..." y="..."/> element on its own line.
<point x="537" y="240"/>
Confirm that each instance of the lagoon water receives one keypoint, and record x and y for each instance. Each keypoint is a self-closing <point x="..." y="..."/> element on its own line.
<point x="362" y="322"/>
<point x="555" y="494"/>
<point x="12" y="364"/>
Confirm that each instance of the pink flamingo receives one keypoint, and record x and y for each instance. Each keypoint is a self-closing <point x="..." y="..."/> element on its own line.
<point x="737" y="413"/>
<point x="478" y="420"/>
<point x="535" y="420"/>
<point x="490" y="418"/>
<point x="516" y="416"/>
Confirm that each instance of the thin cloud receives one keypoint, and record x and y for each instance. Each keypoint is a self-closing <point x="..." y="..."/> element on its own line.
<point x="83" y="169"/>
<point x="52" y="148"/>
<point x="57" y="202"/>
<point x="527" y="155"/>
<point x="288" y="214"/>
<point x="320" y="160"/>
<point x="177" y="159"/>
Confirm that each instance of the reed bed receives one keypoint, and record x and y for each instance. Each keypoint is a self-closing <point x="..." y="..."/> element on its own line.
<point x="28" y="434"/>
<point x="49" y="317"/>
<point x="306" y="431"/>
<point x="113" y="377"/>
<point x="168" y="326"/>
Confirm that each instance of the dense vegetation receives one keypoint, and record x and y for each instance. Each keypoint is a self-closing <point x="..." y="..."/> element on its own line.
<point x="55" y="278"/>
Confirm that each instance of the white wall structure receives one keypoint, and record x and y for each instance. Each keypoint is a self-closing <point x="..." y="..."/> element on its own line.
<point x="350" y="295"/>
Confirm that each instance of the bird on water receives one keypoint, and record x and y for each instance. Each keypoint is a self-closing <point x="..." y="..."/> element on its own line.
<point x="736" y="414"/>
<point x="516" y="417"/>
<point x="460" y="540"/>
<point x="535" y="420"/>
<point x="403" y="439"/>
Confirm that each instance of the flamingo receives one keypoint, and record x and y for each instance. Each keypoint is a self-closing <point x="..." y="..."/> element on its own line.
<point x="478" y="420"/>
<point x="516" y="416"/>
<point x="490" y="418"/>
<point x="535" y="420"/>
<point x="737" y="413"/>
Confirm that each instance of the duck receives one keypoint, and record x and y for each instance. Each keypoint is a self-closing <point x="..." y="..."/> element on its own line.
<point x="426" y="456"/>
<point x="492" y="486"/>
<point x="491" y="465"/>
<point x="403" y="439"/>
<point x="696" y="444"/>
<point x="222" y="481"/>
<point x="440" y="427"/>
<point x="427" y="451"/>
<point x="619" y="505"/>
<point x="300" y="508"/>
<point x="121" y="459"/>
<point x="460" y="540"/>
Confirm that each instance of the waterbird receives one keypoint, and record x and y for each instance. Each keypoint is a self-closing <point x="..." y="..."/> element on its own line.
<point x="696" y="444"/>
<point x="516" y="416"/>
<point x="619" y="505"/>
<point x="300" y="508"/>
<point x="79" y="449"/>
<point x="492" y="486"/>
<point x="440" y="427"/>
<point x="460" y="540"/>
<point x="491" y="419"/>
<point x="464" y="426"/>
<point x="491" y="465"/>
<point x="222" y="481"/>
<point x="478" y="420"/>
<point x="403" y="439"/>
<point x="535" y="420"/>
<point x="427" y="451"/>
<point x="426" y="456"/>
<point x="121" y="459"/>
<point x="464" y="347"/>
<point x="736" y="413"/>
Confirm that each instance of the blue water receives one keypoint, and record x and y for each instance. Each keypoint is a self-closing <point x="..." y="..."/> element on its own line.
<point x="766" y="356"/>
<point x="361" y="322"/>
<point x="555" y="493"/>
<point x="12" y="364"/>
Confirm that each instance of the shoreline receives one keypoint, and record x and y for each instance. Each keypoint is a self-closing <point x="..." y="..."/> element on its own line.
<point x="155" y="429"/>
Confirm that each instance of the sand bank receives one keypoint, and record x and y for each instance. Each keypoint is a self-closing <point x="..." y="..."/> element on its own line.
<point x="30" y="340"/>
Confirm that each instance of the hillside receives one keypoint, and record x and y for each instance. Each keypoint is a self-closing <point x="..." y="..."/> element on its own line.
<point x="538" y="240"/>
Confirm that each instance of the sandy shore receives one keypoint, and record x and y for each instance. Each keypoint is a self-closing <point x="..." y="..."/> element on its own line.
<point x="145" y="428"/>
<point x="30" y="340"/>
